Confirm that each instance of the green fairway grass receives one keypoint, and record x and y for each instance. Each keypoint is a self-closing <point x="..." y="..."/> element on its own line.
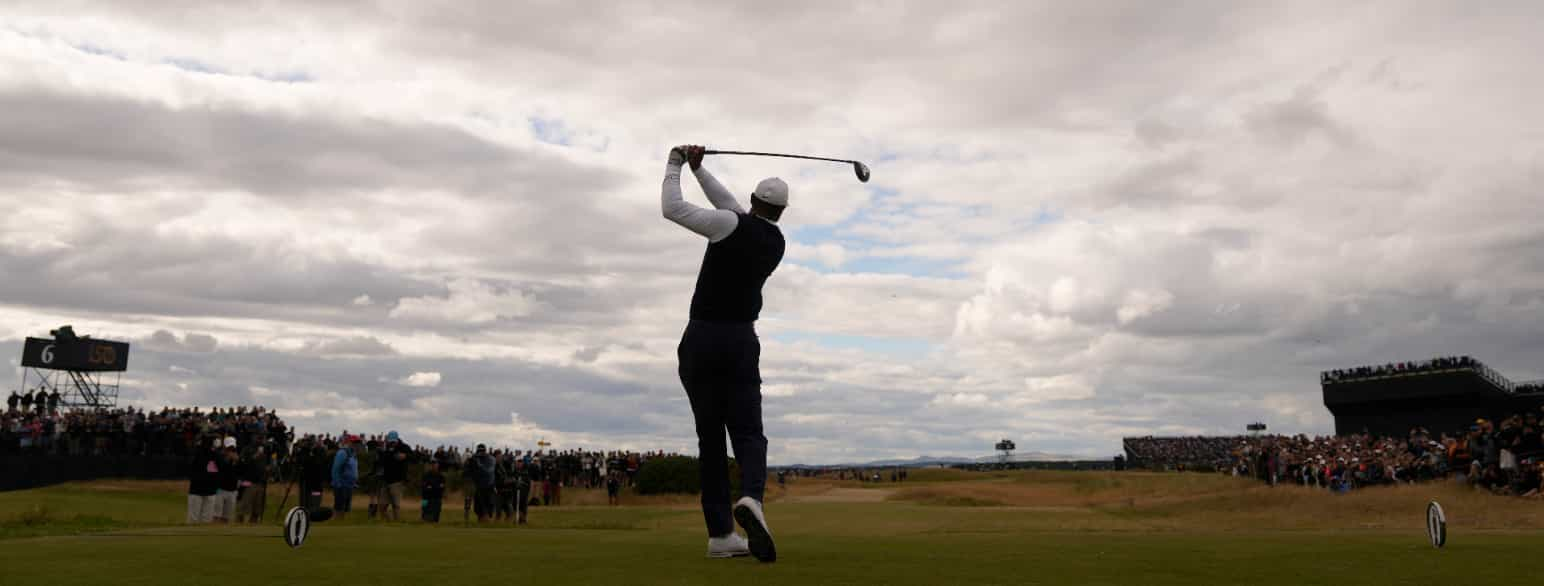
<point x="1083" y="528"/>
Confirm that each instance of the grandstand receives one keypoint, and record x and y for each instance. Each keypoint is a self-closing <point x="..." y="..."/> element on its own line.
<point x="1438" y="394"/>
<point x="1442" y="396"/>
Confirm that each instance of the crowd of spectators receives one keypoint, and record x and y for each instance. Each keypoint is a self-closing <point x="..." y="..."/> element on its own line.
<point x="1396" y="368"/>
<point x="1423" y="367"/>
<point x="572" y="468"/>
<point x="497" y="484"/>
<point x="1182" y="453"/>
<point x="130" y="431"/>
<point x="1505" y="457"/>
<point x="39" y="401"/>
<point x="233" y="454"/>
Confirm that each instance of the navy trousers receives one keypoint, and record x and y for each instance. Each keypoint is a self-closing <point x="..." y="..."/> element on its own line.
<point x="720" y="368"/>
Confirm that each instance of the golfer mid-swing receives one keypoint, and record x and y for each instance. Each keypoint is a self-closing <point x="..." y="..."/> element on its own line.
<point x="719" y="353"/>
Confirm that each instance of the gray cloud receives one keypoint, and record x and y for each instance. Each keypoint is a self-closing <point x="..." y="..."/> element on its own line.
<point x="355" y="346"/>
<point x="138" y="146"/>
<point x="1086" y="221"/>
<point x="165" y="341"/>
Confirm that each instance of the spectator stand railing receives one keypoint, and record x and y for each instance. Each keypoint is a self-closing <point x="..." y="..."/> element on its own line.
<point x="1531" y="387"/>
<point x="1423" y="368"/>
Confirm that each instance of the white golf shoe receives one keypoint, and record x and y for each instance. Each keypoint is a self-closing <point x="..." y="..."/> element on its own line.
<point x="728" y="546"/>
<point x="748" y="514"/>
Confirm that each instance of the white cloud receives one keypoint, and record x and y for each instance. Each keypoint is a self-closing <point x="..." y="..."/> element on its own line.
<point x="828" y="254"/>
<point x="469" y="302"/>
<point x="1141" y="303"/>
<point x="421" y="379"/>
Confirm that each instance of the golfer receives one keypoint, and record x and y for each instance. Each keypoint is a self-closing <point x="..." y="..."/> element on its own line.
<point x="719" y="353"/>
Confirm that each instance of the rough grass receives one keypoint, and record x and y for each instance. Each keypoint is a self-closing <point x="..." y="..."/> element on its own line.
<point x="1067" y="489"/>
<point x="1158" y="501"/>
<point x="1056" y="528"/>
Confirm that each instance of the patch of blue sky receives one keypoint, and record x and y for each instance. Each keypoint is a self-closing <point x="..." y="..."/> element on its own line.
<point x="903" y="265"/>
<point x="287" y="77"/>
<point x="194" y="65"/>
<point x="91" y="49"/>
<point x="551" y="131"/>
<point x="906" y="348"/>
<point x="558" y="132"/>
<point x="871" y="255"/>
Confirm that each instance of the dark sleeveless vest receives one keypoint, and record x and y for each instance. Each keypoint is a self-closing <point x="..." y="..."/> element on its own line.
<point x="733" y="271"/>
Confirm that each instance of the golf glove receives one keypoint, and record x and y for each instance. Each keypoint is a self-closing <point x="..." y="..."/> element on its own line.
<point x="694" y="155"/>
<point x="678" y="156"/>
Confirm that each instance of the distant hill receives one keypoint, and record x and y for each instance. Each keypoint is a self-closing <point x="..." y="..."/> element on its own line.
<point x="923" y="461"/>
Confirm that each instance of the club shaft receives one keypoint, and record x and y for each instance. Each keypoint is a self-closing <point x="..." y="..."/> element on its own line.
<point x="760" y="154"/>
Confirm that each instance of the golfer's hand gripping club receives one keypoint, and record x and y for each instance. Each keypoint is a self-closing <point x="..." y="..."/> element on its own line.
<point x="694" y="155"/>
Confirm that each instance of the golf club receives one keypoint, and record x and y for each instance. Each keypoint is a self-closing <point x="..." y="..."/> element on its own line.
<point x="861" y="169"/>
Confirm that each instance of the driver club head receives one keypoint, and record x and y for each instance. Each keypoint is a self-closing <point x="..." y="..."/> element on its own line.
<point x="862" y="170"/>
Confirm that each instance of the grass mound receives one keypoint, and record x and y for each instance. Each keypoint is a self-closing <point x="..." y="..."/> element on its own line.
<point x="40" y="520"/>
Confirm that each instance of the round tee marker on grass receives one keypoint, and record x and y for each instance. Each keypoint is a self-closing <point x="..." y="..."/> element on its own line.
<point x="297" y="525"/>
<point x="1436" y="525"/>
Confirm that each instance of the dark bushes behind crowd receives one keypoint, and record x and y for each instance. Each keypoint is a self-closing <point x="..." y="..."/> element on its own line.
<point x="138" y="441"/>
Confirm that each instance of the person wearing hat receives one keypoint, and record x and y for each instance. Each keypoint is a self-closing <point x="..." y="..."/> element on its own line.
<point x="719" y="354"/>
<point x="345" y="476"/>
<point x="395" y="457"/>
<point x="228" y="484"/>
<point x="480" y="468"/>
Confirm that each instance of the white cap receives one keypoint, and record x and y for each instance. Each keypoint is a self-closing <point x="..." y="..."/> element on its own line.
<point x="230" y="442"/>
<point x="773" y="191"/>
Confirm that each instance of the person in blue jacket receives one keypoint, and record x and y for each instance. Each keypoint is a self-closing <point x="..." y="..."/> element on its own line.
<point x="345" y="476"/>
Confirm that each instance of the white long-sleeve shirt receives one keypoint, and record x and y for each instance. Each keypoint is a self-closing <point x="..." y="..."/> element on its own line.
<point x="715" y="224"/>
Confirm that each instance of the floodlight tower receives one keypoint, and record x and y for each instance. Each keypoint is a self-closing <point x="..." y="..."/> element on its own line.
<point x="1006" y="448"/>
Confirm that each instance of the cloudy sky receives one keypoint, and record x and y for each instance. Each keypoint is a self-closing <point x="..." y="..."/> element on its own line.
<point x="1087" y="220"/>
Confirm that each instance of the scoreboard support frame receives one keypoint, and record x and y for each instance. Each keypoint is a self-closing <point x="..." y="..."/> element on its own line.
<point x="84" y="371"/>
<point x="77" y="389"/>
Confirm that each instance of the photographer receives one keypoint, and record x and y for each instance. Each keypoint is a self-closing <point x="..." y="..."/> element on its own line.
<point x="311" y="460"/>
<point x="254" y="486"/>
<point x="203" y="482"/>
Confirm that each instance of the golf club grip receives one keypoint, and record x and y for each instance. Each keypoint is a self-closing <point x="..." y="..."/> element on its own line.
<point x="760" y="154"/>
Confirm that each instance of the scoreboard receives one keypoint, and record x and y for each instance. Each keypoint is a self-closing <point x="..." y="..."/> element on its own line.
<point x="79" y="354"/>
